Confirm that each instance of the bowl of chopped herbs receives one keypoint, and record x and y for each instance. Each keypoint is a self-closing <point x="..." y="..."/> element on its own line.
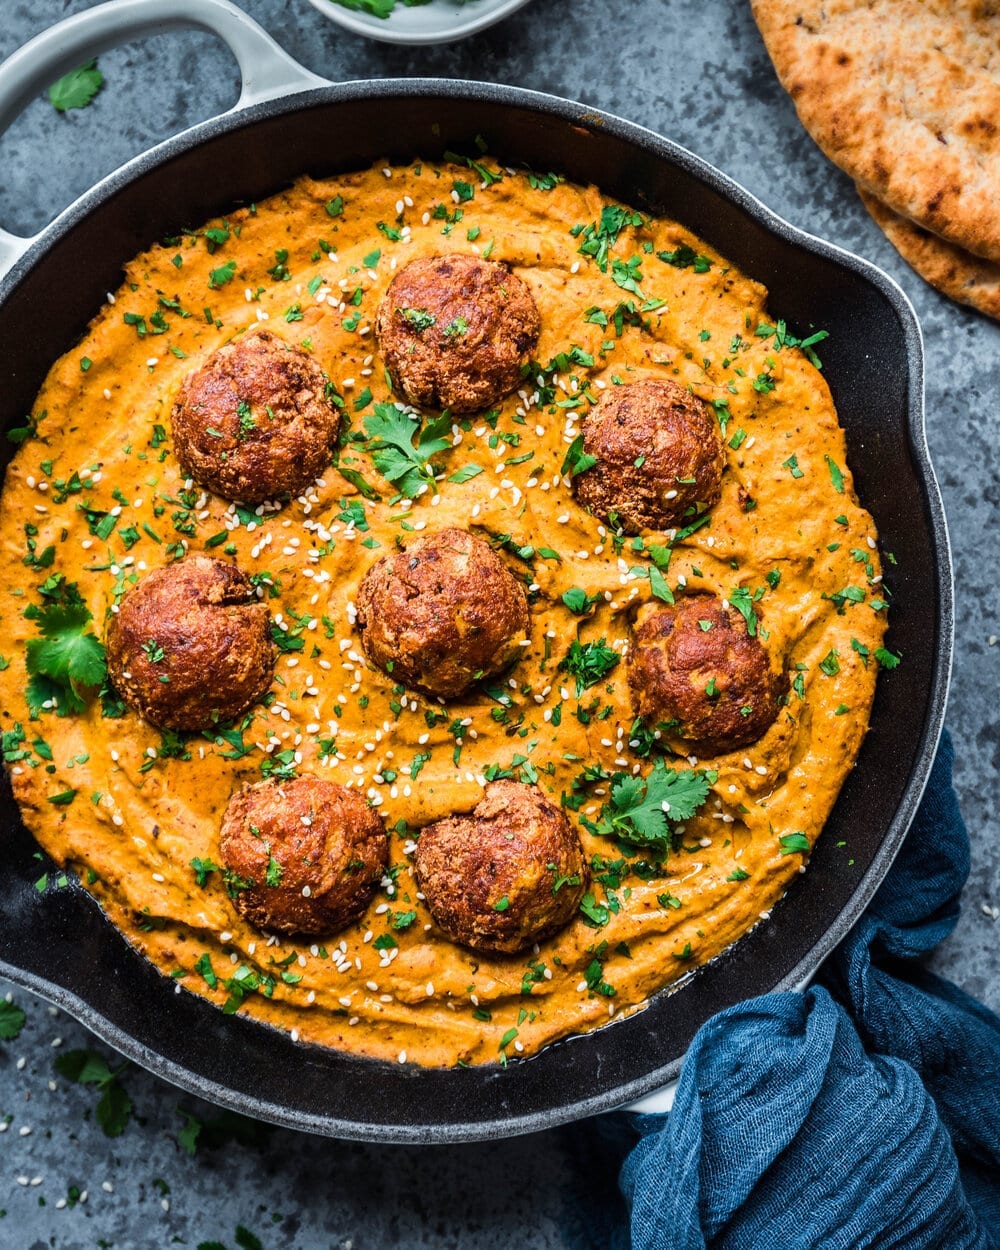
<point x="417" y="21"/>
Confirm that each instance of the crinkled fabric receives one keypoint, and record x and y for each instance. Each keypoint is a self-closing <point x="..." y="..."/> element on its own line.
<point x="862" y="1113"/>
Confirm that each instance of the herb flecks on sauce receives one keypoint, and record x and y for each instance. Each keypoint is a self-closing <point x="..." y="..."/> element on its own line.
<point x="95" y="499"/>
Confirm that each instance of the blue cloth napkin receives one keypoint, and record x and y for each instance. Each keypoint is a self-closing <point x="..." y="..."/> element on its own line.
<point x="864" y="1112"/>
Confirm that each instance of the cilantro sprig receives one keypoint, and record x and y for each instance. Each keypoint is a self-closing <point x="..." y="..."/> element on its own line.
<point x="401" y="448"/>
<point x="643" y="810"/>
<point x="76" y="89"/>
<point x="68" y="660"/>
<point x="86" y="1067"/>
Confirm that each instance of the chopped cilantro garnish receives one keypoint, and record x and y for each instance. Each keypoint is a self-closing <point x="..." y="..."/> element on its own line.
<point x="589" y="662"/>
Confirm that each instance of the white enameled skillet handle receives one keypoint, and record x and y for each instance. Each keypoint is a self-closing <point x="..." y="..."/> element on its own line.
<point x="266" y="70"/>
<point x="657" y="1103"/>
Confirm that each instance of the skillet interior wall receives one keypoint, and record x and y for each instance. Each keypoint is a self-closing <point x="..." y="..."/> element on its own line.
<point x="865" y="361"/>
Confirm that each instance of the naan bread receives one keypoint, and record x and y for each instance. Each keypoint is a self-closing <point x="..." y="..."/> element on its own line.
<point x="904" y="95"/>
<point x="949" y="269"/>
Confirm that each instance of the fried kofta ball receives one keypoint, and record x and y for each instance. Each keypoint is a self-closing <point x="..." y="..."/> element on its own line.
<point x="659" y="456"/>
<point x="303" y="856"/>
<point x="442" y="614"/>
<point x="506" y="876"/>
<point x="455" y="331"/>
<point x="190" y="645"/>
<point x="254" y="422"/>
<point x="695" y="667"/>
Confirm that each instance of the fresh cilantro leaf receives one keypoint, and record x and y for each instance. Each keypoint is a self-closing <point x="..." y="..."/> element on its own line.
<point x="782" y="338"/>
<point x="188" y="1136"/>
<point x="76" y="89"/>
<point x="639" y="808"/>
<point x="595" y="914"/>
<point x="742" y="600"/>
<point x="202" y="869"/>
<point x="831" y="664"/>
<point x="402" y="449"/>
<point x="627" y="274"/>
<point x="578" y="601"/>
<point x="67" y="660"/>
<point x="86" y="1067"/>
<point x="225" y="273"/>
<point x="794" y="843"/>
<point x="577" y="461"/>
<point x="12" y="1021"/>
<point x="114" y="1110"/>
<point x="465" y="474"/>
<point x="419" y="319"/>
<point x="658" y="585"/>
<point x="836" y="475"/>
<point x="684" y="257"/>
<point x="886" y="658"/>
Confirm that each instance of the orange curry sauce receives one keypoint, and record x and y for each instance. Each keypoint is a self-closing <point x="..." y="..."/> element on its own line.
<point x="95" y="495"/>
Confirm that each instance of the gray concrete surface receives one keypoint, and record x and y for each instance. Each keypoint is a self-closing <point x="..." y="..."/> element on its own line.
<point x="694" y="70"/>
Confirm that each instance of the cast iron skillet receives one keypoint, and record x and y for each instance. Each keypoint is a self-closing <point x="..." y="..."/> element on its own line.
<point x="59" y="944"/>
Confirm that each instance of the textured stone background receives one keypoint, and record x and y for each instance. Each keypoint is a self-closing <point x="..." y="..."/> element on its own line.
<point x="696" y="71"/>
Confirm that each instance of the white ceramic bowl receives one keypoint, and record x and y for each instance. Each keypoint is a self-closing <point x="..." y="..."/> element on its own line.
<point x="440" y="21"/>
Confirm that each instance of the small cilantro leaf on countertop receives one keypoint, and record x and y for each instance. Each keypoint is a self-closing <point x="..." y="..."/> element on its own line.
<point x="86" y="1067"/>
<point x="12" y="1021"/>
<point x="76" y="89"/>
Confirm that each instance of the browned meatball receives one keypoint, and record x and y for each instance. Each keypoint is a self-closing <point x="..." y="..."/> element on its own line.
<point x="510" y="874"/>
<point x="190" y="645"/>
<point x="659" y="457"/>
<point x="696" y="668"/>
<point x="456" y="330"/>
<point x="254" y="421"/>
<point x="303" y="856"/>
<point x="442" y="614"/>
